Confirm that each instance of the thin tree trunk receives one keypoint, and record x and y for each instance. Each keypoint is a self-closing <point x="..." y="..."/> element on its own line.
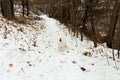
<point x="93" y="31"/>
<point x="23" y="8"/>
<point x="2" y="10"/>
<point x="81" y="34"/>
<point x="118" y="54"/>
<point x="113" y="54"/>
<point x="12" y="8"/>
<point x="27" y="6"/>
<point x="90" y="4"/>
<point x="113" y="23"/>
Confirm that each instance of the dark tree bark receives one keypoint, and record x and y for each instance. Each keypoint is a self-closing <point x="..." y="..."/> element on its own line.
<point x="74" y="16"/>
<point x="93" y="27"/>
<point x="25" y="5"/>
<point x="93" y="31"/>
<point x="118" y="53"/>
<point x="113" y="53"/>
<point x="7" y="9"/>
<point x="114" y="20"/>
<point x="90" y="8"/>
<point x="12" y="7"/>
<point x="84" y="20"/>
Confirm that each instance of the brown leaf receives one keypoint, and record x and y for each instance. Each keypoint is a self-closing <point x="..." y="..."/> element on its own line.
<point x="10" y="65"/>
<point x="28" y="62"/>
<point x="92" y="64"/>
<point x="110" y="57"/>
<point x="74" y="62"/>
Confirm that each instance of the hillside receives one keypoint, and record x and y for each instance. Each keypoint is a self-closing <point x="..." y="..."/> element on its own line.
<point x="34" y="51"/>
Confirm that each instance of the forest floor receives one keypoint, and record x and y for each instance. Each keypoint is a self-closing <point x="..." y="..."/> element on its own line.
<point x="33" y="51"/>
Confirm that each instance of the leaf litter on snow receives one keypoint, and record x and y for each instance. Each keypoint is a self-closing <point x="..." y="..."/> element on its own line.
<point x="38" y="53"/>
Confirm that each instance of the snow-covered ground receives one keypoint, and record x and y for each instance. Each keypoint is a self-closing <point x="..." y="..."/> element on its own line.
<point x="44" y="50"/>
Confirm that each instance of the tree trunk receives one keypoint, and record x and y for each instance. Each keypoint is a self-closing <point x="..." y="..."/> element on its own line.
<point x="93" y="31"/>
<point x="114" y="20"/>
<point x="118" y="53"/>
<point x="7" y="8"/>
<point x="27" y="6"/>
<point x="91" y="6"/>
<point x="23" y="8"/>
<point x="113" y="53"/>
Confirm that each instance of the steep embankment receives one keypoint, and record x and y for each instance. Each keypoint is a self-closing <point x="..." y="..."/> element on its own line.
<point x="34" y="51"/>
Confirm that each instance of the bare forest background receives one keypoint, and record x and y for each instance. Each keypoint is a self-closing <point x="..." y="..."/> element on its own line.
<point x="99" y="20"/>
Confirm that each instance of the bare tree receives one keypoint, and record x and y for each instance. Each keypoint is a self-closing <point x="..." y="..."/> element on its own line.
<point x="91" y="4"/>
<point x="114" y="19"/>
<point x="7" y="8"/>
<point x="25" y="5"/>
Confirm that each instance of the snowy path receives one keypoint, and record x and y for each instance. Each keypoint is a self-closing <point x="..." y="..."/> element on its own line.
<point x="21" y="60"/>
